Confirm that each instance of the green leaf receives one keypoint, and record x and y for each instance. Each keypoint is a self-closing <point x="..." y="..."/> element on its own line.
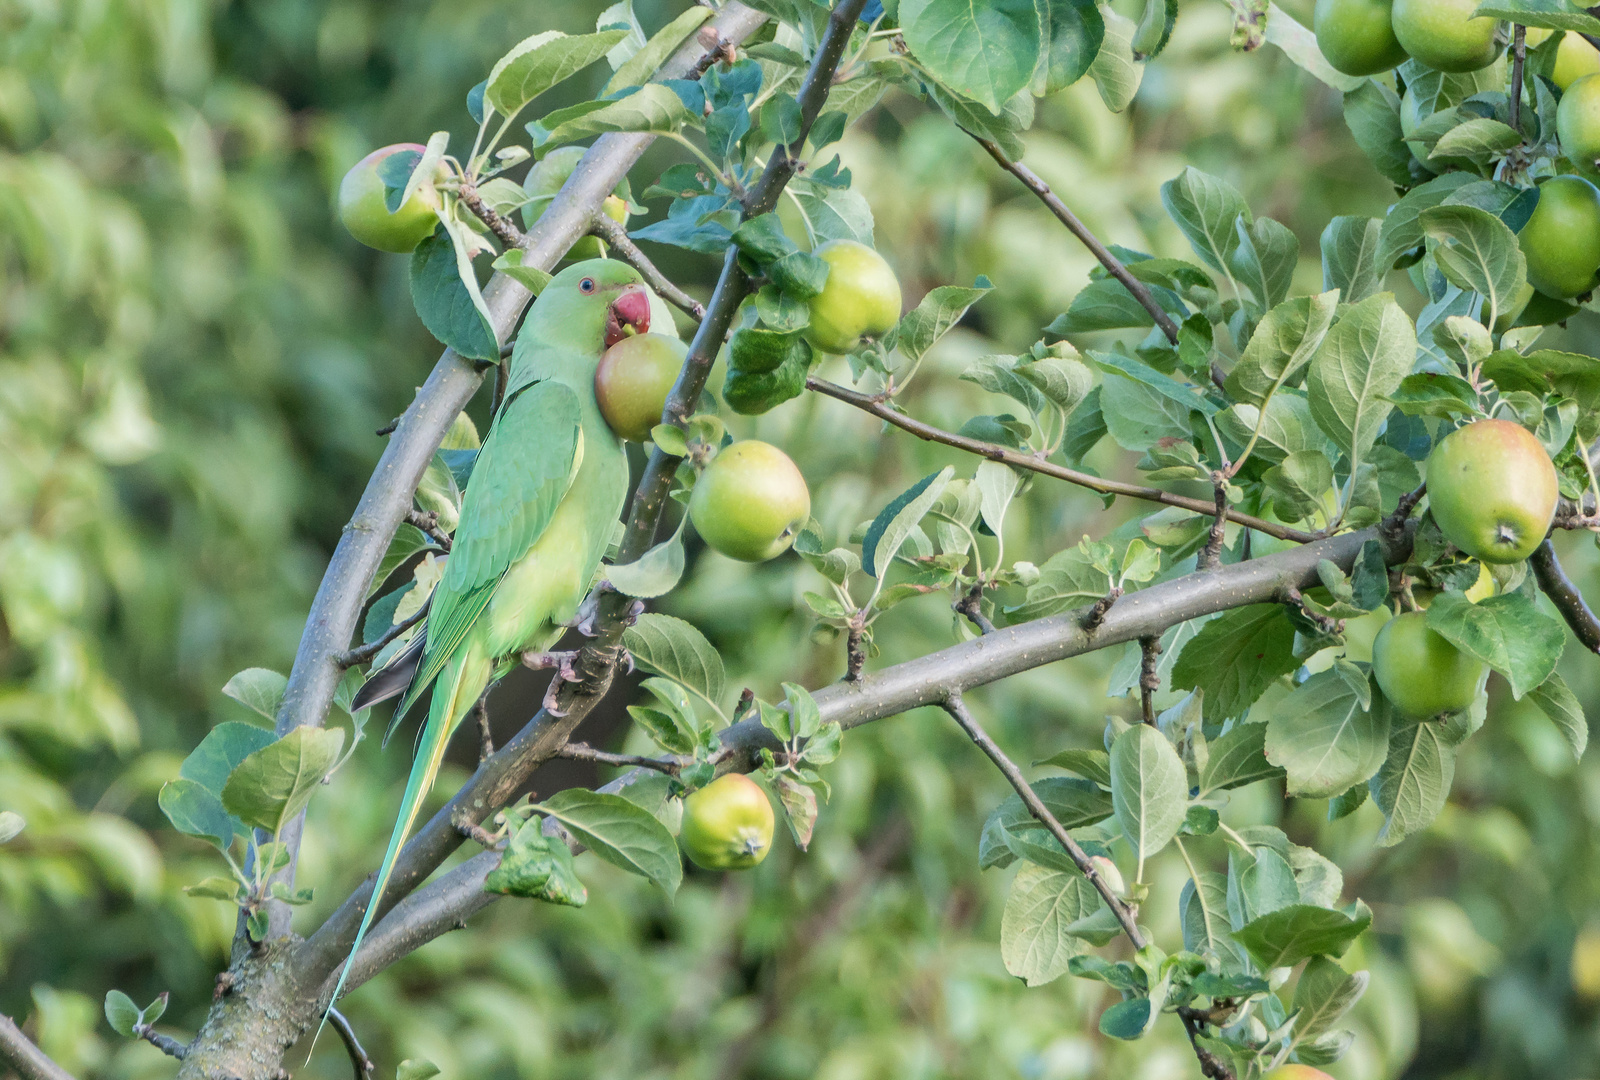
<point x="1361" y="362"/>
<point x="1478" y="252"/>
<point x="1035" y="944"/>
<point x="258" y="690"/>
<point x="1130" y="1019"/>
<point x="1324" y="735"/>
<point x="1350" y="258"/>
<point x="537" y="867"/>
<point x="621" y="833"/>
<point x="1206" y="209"/>
<point x="678" y="650"/>
<point x="418" y="1069"/>
<point x="1507" y="632"/>
<point x="1286" y="339"/>
<point x="1432" y="393"/>
<point x="1478" y="137"/>
<point x="1562" y="706"/>
<point x="272" y="785"/>
<point x="1415" y="779"/>
<point x="1295" y="933"/>
<point x="1259" y="884"/>
<point x="1074" y="30"/>
<point x="1184" y="395"/>
<point x="1105" y="304"/>
<point x="1068" y="579"/>
<point x="1115" y="71"/>
<point x="1547" y="14"/>
<point x="997" y="485"/>
<point x="1075" y="804"/>
<point x="1090" y="764"/>
<point x="1372" y="113"/>
<point x="408" y="540"/>
<point x="1149" y="790"/>
<point x="654" y="573"/>
<point x="1323" y="995"/>
<point x="217" y="888"/>
<point x="1203" y="909"/>
<point x="221" y="751"/>
<point x="1235" y="657"/>
<point x="445" y="305"/>
<point x="643" y="64"/>
<point x="1300" y="45"/>
<point x="780" y="119"/>
<point x="1298" y="483"/>
<point x="651" y="108"/>
<point x="11" y="824"/>
<point x="196" y="811"/>
<point x="1402" y="228"/>
<point x="1065" y="382"/>
<point x="986" y="52"/>
<point x="893" y="525"/>
<point x="934" y="315"/>
<point x="835" y="213"/>
<point x="1238" y="757"/>
<point x="122" y="1014"/>
<point x="529" y="277"/>
<point x="537" y="63"/>
<point x="1265" y="259"/>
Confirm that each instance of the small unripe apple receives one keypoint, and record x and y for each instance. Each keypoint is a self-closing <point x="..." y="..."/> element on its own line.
<point x="1492" y="490"/>
<point x="727" y="825"/>
<point x="1421" y="673"/>
<point x="750" y="502"/>
<point x="362" y="209"/>
<point x="1444" y="35"/>
<point x="547" y="177"/>
<point x="861" y="297"/>
<point x="1561" y="239"/>
<point x="1357" y="36"/>
<point x="1575" y="58"/>
<point x="1578" y="122"/>
<point x="633" y="380"/>
<point x="1297" y="1072"/>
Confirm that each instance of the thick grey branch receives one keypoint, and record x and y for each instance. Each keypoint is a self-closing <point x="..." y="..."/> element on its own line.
<point x="19" y="1052"/>
<point x="930" y="680"/>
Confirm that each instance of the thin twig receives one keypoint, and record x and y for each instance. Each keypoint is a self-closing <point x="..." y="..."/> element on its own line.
<point x="1519" y="56"/>
<point x="855" y="655"/>
<point x="1395" y="523"/>
<point x="1030" y="180"/>
<point x="359" y="1061"/>
<point x="577" y="751"/>
<point x="1149" y="676"/>
<point x="428" y="524"/>
<point x="1211" y="554"/>
<point x="970" y="605"/>
<point x="1102" y="607"/>
<point x="994" y="452"/>
<point x="485" y="732"/>
<point x="1212" y="1067"/>
<point x="362" y="653"/>
<point x="1565" y="596"/>
<point x="614" y="234"/>
<point x="957" y="708"/>
<point x="28" y="1060"/>
<point x="507" y="233"/>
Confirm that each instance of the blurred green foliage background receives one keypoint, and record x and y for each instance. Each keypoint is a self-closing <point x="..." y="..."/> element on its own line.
<point x="193" y="359"/>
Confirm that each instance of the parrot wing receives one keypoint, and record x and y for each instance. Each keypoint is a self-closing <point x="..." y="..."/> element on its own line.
<point x="522" y="473"/>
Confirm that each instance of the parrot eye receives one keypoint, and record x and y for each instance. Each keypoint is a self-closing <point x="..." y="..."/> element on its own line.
<point x="586" y="285"/>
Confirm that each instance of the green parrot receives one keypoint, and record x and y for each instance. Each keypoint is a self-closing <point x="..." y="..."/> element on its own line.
<point x="538" y="514"/>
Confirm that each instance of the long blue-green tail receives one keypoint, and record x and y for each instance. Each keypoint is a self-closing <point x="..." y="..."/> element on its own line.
<point x="444" y="716"/>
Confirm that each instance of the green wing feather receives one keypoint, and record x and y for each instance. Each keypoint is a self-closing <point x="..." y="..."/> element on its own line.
<point x="522" y="473"/>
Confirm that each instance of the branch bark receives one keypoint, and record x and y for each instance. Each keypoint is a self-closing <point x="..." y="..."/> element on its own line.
<point x="1555" y="583"/>
<point x="1030" y="180"/>
<point x="22" y="1055"/>
<point x="928" y="680"/>
<point x="995" y="452"/>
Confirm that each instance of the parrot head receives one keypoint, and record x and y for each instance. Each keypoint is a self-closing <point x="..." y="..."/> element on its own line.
<point x="589" y="306"/>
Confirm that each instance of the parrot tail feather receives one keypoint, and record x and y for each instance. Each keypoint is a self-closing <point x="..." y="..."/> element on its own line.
<point x="393" y="678"/>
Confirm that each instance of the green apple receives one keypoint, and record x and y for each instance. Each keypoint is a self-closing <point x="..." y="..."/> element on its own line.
<point x="362" y="209"/>
<point x="1578" y="122"/>
<point x="1297" y="1072"/>
<point x="1357" y="36"/>
<point x="1492" y="490"/>
<point x="861" y="297"/>
<point x="727" y="825"/>
<point x="1444" y="35"/>
<point x="1575" y="58"/>
<point x="633" y="380"/>
<point x="750" y="502"/>
<point x="1421" y="673"/>
<point x="1561" y="240"/>
<point x="545" y="179"/>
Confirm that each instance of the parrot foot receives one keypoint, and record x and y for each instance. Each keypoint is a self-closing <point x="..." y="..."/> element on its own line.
<point x="565" y="664"/>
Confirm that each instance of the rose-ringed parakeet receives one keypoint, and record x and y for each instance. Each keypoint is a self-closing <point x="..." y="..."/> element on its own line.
<point x="545" y="494"/>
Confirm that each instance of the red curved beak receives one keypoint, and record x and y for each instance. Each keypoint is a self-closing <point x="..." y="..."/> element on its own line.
<point x="629" y="314"/>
